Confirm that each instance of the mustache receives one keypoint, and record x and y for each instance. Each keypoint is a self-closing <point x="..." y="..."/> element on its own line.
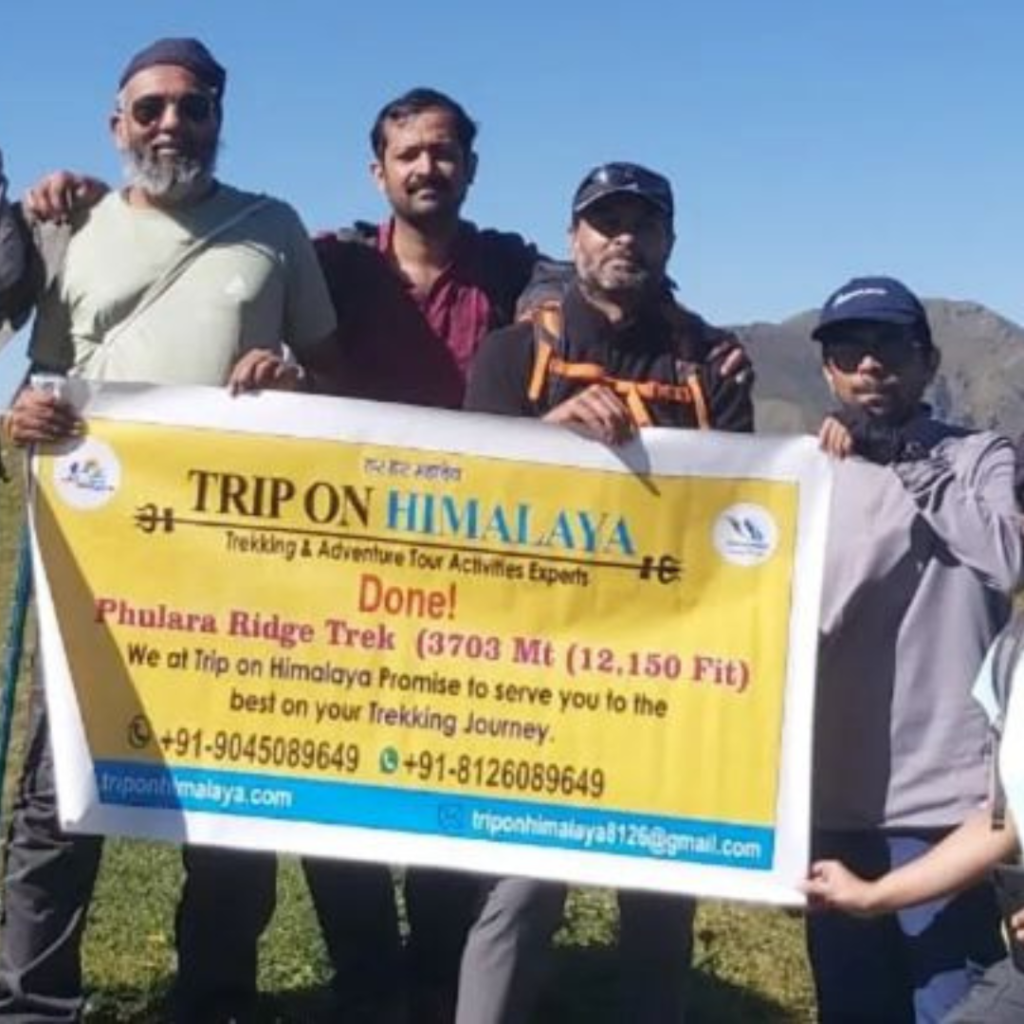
<point x="881" y="389"/>
<point x="626" y="254"/>
<point x="435" y="182"/>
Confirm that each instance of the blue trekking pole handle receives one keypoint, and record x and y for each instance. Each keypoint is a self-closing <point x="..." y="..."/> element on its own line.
<point x="14" y="645"/>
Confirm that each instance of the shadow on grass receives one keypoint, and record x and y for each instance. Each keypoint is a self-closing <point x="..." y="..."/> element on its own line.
<point x="583" y="988"/>
<point x="130" y="1005"/>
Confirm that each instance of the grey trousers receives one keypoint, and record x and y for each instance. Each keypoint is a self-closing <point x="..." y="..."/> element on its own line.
<point x="503" y="965"/>
<point x="227" y="900"/>
<point x="997" y="998"/>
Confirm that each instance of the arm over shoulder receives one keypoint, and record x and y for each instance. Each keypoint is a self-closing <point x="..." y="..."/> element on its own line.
<point x="731" y="394"/>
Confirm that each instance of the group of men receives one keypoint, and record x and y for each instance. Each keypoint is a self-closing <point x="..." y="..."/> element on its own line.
<point x="128" y="286"/>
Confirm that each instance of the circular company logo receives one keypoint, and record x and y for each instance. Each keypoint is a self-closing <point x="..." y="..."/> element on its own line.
<point x="745" y="535"/>
<point x="87" y="475"/>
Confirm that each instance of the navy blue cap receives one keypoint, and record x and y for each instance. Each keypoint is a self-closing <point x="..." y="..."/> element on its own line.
<point x="617" y="179"/>
<point x="183" y="53"/>
<point x="874" y="299"/>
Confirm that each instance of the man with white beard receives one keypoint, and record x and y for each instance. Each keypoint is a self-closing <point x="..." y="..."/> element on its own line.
<point x="177" y="279"/>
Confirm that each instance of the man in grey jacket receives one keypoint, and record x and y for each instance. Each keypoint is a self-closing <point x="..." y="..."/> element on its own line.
<point x="924" y="551"/>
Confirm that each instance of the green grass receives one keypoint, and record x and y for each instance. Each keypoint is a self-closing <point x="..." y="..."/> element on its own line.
<point x="750" y="965"/>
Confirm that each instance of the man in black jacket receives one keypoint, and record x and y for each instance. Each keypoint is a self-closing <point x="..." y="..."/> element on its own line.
<point x="614" y="354"/>
<point x="658" y="361"/>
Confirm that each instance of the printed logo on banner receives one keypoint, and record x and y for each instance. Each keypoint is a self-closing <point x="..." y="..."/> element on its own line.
<point x="451" y="818"/>
<point x="88" y="476"/>
<point x="745" y="535"/>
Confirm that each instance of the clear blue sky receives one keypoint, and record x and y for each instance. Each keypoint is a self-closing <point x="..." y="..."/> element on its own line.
<point x="807" y="140"/>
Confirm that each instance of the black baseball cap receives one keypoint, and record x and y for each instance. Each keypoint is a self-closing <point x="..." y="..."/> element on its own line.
<point x="627" y="179"/>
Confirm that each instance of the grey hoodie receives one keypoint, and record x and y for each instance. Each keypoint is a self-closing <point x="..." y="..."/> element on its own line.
<point x="921" y="560"/>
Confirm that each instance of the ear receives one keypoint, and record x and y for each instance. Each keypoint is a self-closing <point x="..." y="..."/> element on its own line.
<point x="471" y="165"/>
<point x="377" y="173"/>
<point x="934" y="361"/>
<point x="118" y="130"/>
<point x="571" y="234"/>
<point x="828" y="373"/>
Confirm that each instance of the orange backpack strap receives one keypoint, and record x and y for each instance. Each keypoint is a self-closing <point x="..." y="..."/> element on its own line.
<point x="547" y="330"/>
<point x="635" y="402"/>
<point x="547" y="321"/>
<point x="701" y="409"/>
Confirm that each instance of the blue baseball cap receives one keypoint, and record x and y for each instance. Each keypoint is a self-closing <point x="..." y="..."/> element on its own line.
<point x="876" y="300"/>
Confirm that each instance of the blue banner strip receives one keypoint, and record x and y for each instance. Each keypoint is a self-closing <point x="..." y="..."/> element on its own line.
<point x="128" y="784"/>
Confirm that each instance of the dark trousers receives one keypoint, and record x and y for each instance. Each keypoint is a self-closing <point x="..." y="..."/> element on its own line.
<point x="912" y="966"/>
<point x="227" y="900"/>
<point x="48" y="885"/>
<point x="656" y="949"/>
<point x="441" y="907"/>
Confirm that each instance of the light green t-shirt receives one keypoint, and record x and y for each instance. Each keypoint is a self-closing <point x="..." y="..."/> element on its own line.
<point x="256" y="285"/>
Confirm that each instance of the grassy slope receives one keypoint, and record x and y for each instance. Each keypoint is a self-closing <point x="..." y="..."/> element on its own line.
<point x="750" y="963"/>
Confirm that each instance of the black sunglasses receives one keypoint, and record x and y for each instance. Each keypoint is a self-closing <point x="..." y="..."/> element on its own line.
<point x="895" y="353"/>
<point x="194" y="107"/>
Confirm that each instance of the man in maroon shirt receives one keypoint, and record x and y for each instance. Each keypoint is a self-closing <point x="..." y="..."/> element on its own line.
<point x="414" y="297"/>
<point x="415" y="294"/>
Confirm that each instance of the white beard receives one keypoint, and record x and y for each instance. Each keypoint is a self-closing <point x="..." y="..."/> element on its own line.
<point x="171" y="180"/>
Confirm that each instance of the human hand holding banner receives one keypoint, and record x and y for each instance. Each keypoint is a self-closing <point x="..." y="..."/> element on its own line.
<point x="369" y="631"/>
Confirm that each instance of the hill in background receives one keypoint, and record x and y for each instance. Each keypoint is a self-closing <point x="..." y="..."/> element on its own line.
<point x="980" y="383"/>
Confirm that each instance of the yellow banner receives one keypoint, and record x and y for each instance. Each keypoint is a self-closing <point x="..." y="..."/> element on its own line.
<point x="434" y="641"/>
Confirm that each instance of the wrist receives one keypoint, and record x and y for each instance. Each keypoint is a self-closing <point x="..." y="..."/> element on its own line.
<point x="881" y="896"/>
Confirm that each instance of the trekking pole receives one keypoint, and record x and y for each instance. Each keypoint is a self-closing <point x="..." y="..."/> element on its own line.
<point x="14" y="645"/>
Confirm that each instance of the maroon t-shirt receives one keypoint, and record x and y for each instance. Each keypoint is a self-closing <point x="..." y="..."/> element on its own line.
<point x="398" y="345"/>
